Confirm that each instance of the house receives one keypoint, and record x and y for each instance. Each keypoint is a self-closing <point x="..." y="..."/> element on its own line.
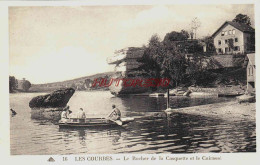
<point x="251" y="73"/>
<point x="234" y="38"/>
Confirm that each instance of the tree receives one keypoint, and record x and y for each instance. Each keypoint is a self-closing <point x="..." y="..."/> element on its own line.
<point x="250" y="45"/>
<point x="26" y="85"/>
<point x="153" y="56"/>
<point x="195" y="24"/>
<point x="242" y="18"/>
<point x="195" y="69"/>
<point x="231" y="44"/>
<point x="151" y="60"/>
<point x="209" y="43"/>
<point x="178" y="41"/>
<point x="185" y="33"/>
<point x="12" y="84"/>
<point x="167" y="59"/>
<point x="174" y="66"/>
<point x="16" y="83"/>
<point x="176" y="36"/>
<point x="191" y="34"/>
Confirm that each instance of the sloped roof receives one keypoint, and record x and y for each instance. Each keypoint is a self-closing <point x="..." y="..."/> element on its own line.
<point x="240" y="26"/>
<point x="251" y="58"/>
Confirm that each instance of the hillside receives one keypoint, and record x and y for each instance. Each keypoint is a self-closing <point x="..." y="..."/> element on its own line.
<point x="81" y="83"/>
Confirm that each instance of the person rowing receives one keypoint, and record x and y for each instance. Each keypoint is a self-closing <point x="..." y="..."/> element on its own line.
<point x="115" y="115"/>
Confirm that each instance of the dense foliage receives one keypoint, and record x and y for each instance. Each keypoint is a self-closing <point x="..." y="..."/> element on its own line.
<point x="26" y="85"/>
<point x="13" y="84"/>
<point x="182" y="59"/>
<point x="167" y="58"/>
<point x="209" y="43"/>
<point x="242" y="18"/>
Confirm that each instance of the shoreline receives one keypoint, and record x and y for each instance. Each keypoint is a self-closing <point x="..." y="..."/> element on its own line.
<point x="230" y="111"/>
<point x="229" y="91"/>
<point x="50" y="91"/>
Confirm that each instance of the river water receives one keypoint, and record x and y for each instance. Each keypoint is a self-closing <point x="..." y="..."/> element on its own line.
<point x="182" y="133"/>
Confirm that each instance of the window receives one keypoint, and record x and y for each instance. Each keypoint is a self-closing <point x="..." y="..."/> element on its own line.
<point x="234" y="31"/>
<point x="252" y="84"/>
<point x="226" y="33"/>
<point x="222" y="33"/>
<point x="250" y="71"/>
<point x="226" y="49"/>
<point x="219" y="42"/>
<point x="230" y="32"/>
<point x="236" y="39"/>
<point x="225" y="41"/>
<point x="220" y="50"/>
<point x="237" y="48"/>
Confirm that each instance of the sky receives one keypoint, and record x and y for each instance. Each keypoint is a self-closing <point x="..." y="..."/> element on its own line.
<point x="54" y="43"/>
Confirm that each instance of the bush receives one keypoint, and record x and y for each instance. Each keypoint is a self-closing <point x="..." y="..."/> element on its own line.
<point x="26" y="85"/>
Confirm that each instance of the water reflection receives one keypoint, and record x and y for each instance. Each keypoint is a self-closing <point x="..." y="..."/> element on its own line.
<point x="88" y="135"/>
<point x="192" y="133"/>
<point x="155" y="104"/>
<point x="181" y="133"/>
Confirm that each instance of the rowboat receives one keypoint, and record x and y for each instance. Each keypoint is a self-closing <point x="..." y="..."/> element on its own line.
<point x="93" y="122"/>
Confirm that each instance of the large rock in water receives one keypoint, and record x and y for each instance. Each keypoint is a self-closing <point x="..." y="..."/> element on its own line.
<point x="56" y="99"/>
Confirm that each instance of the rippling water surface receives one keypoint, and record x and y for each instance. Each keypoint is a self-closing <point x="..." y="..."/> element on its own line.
<point x="182" y="133"/>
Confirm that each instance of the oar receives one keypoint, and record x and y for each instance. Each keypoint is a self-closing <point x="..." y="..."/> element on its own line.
<point x="118" y="122"/>
<point x="110" y="114"/>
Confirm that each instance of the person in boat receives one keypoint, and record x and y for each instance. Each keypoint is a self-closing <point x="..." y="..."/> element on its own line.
<point x="68" y="112"/>
<point x="81" y="114"/>
<point x="64" y="114"/>
<point x="115" y="114"/>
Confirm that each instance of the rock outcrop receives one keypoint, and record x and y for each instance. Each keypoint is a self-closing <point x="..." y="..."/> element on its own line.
<point x="56" y="99"/>
<point x="126" y="63"/>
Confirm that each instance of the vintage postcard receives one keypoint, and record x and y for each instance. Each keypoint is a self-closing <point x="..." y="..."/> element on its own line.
<point x="135" y="83"/>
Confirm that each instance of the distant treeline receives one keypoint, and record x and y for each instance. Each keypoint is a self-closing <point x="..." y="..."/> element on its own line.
<point x="16" y="85"/>
<point x="80" y="84"/>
